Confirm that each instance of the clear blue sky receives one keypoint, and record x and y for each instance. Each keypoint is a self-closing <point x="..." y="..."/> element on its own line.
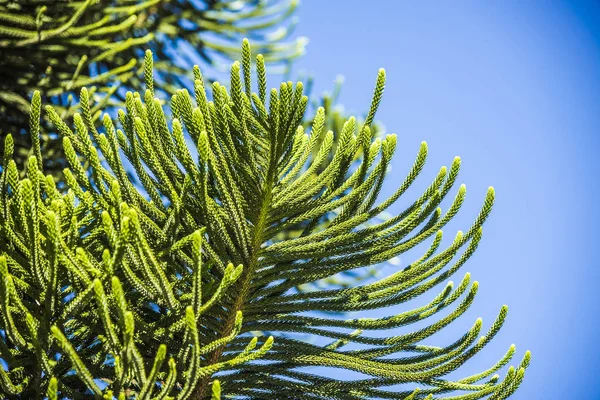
<point x="513" y="87"/>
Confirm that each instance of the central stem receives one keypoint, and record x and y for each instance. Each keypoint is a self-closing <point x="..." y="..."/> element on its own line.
<point x="248" y="273"/>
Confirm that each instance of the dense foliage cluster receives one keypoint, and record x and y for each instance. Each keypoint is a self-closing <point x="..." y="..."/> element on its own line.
<point x="175" y="287"/>
<point x="57" y="47"/>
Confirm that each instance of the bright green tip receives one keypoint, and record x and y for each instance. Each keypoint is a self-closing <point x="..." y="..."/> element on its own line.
<point x="302" y="41"/>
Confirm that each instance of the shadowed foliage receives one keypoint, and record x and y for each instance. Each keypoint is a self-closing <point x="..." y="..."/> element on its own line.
<point x="58" y="47"/>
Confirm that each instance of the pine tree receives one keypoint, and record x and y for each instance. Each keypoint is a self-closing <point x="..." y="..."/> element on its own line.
<point x="58" y="47"/>
<point x="185" y="286"/>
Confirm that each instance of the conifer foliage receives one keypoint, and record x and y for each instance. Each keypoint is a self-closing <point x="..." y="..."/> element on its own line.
<point x="57" y="47"/>
<point x="176" y="287"/>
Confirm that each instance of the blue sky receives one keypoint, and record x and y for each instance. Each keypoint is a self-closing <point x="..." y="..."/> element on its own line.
<point x="513" y="87"/>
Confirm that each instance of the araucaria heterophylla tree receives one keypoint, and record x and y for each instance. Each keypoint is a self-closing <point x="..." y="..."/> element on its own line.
<point x="183" y="287"/>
